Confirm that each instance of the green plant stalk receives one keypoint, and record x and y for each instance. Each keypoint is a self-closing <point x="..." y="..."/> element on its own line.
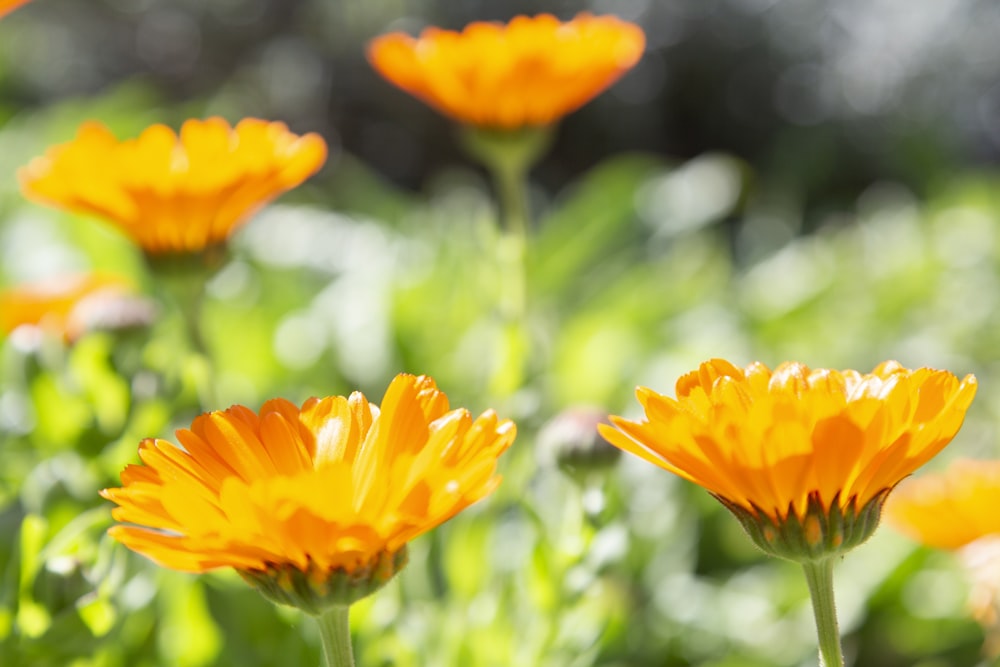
<point x="512" y="188"/>
<point x="511" y="250"/>
<point x="335" y="631"/>
<point x="182" y="279"/>
<point x="819" y="576"/>
<point x="509" y="155"/>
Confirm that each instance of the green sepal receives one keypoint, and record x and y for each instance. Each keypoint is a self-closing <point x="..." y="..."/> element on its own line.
<point x="501" y="149"/>
<point x="821" y="532"/>
<point x="179" y="264"/>
<point x="314" y="591"/>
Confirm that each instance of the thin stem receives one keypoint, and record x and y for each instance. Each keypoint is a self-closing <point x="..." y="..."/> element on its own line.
<point x="183" y="278"/>
<point x="511" y="252"/>
<point x="335" y="630"/>
<point x="511" y="186"/>
<point x="819" y="575"/>
<point x="509" y="155"/>
<point x="190" y="311"/>
<point x="512" y="189"/>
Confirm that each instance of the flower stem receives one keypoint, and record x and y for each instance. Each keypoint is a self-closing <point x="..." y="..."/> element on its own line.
<point x="182" y="279"/>
<point x="509" y="155"/>
<point x="819" y="575"/>
<point x="335" y="630"/>
<point x="511" y="249"/>
<point x="512" y="188"/>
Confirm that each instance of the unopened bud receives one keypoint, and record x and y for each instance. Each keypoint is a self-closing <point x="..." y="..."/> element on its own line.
<point x="571" y="441"/>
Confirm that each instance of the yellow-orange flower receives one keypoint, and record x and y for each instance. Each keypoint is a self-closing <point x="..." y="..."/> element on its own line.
<point x="7" y="6"/>
<point x="332" y="487"/>
<point x="957" y="510"/>
<point x="66" y="305"/>
<point x="799" y="445"/>
<point x="174" y="193"/>
<point x="530" y="72"/>
<point x="951" y="509"/>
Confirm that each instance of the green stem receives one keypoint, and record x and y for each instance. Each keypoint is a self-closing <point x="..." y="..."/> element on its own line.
<point x="335" y="630"/>
<point x="509" y="155"/>
<point x="513" y="302"/>
<point x="182" y="279"/>
<point x="513" y="191"/>
<point x="513" y="241"/>
<point x="819" y="575"/>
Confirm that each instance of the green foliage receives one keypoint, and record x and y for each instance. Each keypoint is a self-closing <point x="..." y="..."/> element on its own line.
<point x="636" y="273"/>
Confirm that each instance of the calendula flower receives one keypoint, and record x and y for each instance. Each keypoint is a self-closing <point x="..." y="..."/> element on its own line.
<point x="7" y="6"/>
<point x="70" y="305"/>
<point x="174" y="193"/>
<point x="820" y="448"/>
<point x="530" y="72"/>
<point x="951" y="509"/>
<point x="803" y="458"/>
<point x="957" y="510"/>
<point x="313" y="505"/>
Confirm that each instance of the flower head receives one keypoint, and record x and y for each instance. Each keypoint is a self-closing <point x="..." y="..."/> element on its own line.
<point x="66" y="305"/>
<point x="328" y="494"/>
<point x="7" y="6"/>
<point x="804" y="458"/>
<point x="951" y="509"/>
<point x="174" y="193"/>
<point x="957" y="510"/>
<point x="530" y="72"/>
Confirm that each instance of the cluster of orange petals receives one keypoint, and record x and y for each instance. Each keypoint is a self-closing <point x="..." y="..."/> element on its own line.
<point x="7" y="6"/>
<point x="951" y="509"/>
<point x="175" y="193"/>
<point x="530" y="72"/>
<point x="766" y="440"/>
<point x="63" y="305"/>
<point x="333" y="484"/>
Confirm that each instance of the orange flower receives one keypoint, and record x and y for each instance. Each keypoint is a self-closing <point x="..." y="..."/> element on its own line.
<point x="336" y="487"/>
<point x="7" y="6"/>
<point x="952" y="509"/>
<point x="170" y="193"/>
<point x="531" y="72"/>
<point x="819" y="448"/>
<point x="67" y="305"/>
<point x="957" y="510"/>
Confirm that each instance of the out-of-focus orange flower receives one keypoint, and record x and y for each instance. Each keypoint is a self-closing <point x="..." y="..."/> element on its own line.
<point x="334" y="488"/>
<point x="951" y="509"/>
<point x="67" y="306"/>
<point x="7" y="6"/>
<point x="820" y="448"/>
<point x="958" y="510"/>
<point x="175" y="193"/>
<point x="530" y="72"/>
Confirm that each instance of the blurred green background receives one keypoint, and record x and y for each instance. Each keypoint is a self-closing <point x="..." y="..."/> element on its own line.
<point x="776" y="180"/>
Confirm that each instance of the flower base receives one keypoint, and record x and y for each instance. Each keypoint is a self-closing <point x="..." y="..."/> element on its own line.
<point x="821" y="532"/>
<point x="315" y="591"/>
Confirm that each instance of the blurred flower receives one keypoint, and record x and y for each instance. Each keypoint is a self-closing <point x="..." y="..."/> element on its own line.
<point x="804" y="458"/>
<point x="175" y="193"/>
<point x="314" y="506"/>
<point x="7" y="6"/>
<point x="957" y="509"/>
<point x="981" y="560"/>
<point x="952" y="509"/>
<point x="532" y="71"/>
<point x="69" y="306"/>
